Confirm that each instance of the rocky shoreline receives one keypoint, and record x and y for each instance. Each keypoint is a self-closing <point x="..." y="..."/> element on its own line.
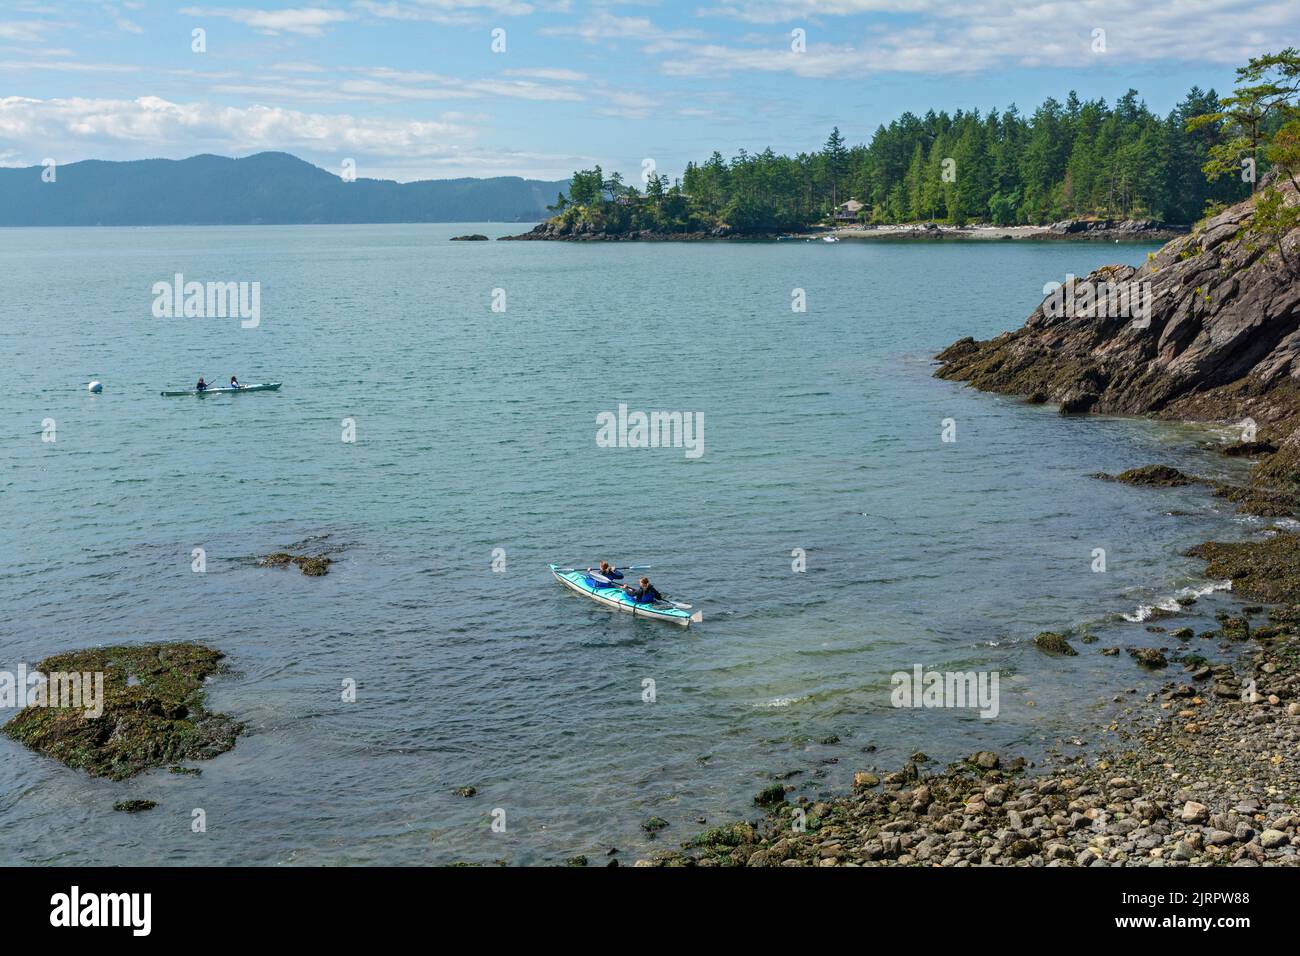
<point x="555" y="230"/>
<point x="1203" y="773"/>
<point x="1207" y="771"/>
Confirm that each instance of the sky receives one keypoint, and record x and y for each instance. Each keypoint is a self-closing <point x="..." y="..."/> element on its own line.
<point x="432" y="89"/>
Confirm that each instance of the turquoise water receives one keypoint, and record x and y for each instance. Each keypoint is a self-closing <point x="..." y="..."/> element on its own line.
<point x="476" y="431"/>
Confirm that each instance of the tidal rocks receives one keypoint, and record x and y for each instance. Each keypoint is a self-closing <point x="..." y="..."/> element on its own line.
<point x="313" y="566"/>
<point x="770" y="796"/>
<point x="1208" y="785"/>
<point x="152" y="713"/>
<point x="472" y="237"/>
<point x="1052" y="643"/>
<point x="1153" y="476"/>
<point x="465" y="791"/>
<point x="1266" y="570"/>
<point x="1249" y="449"/>
<point x="653" y="824"/>
<point x="134" y="806"/>
<point x="1148" y="657"/>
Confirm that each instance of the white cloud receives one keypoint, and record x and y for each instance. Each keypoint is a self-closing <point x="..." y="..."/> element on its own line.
<point x="544" y="73"/>
<point x="387" y="85"/>
<point x="23" y="31"/>
<point x="626" y="105"/>
<point x="606" y="26"/>
<point x="304" y="21"/>
<point x="153" y="121"/>
<point x="985" y="35"/>
<point x="456" y="12"/>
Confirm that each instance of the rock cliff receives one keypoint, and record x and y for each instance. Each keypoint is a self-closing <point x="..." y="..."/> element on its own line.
<point x="1219" y="339"/>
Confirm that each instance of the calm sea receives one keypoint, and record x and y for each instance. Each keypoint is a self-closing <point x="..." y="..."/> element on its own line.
<point x="475" y="437"/>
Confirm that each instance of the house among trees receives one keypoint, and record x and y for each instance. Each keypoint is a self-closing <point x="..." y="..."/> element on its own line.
<point x="849" y="211"/>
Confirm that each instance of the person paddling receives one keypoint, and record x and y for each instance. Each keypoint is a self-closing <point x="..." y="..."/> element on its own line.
<point x="647" y="593"/>
<point x="202" y="386"/>
<point x="611" y="572"/>
<point x="234" y="382"/>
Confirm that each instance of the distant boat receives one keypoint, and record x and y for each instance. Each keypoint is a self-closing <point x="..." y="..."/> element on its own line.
<point x="830" y="239"/>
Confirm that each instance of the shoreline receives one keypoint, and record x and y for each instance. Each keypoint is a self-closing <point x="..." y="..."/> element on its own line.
<point x="1067" y="230"/>
<point x="1202" y="772"/>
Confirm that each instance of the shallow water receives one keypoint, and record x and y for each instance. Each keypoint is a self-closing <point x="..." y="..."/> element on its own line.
<point x="475" y="430"/>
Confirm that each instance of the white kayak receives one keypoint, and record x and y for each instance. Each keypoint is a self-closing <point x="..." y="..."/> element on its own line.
<point x="227" y="390"/>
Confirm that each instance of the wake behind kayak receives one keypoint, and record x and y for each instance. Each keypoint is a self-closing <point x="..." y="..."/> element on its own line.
<point x="617" y="598"/>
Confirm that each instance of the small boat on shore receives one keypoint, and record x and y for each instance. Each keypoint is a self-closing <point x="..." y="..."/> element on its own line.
<point x="227" y="390"/>
<point x="615" y="597"/>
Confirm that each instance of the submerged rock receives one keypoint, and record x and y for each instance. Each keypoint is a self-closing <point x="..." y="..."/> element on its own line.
<point x="1155" y="476"/>
<point x="134" y="806"/>
<point x="1053" y="643"/>
<point x="311" y="565"/>
<point x="152" y="716"/>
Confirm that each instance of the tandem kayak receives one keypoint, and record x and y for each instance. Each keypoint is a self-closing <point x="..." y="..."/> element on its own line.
<point x="618" y="599"/>
<point x="227" y="390"/>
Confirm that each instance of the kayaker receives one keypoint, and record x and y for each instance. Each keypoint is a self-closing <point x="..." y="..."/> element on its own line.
<point x="234" y="383"/>
<point x="645" y="594"/>
<point x="611" y="572"/>
<point x="202" y="386"/>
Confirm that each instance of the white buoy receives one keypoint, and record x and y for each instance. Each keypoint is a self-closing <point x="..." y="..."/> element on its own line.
<point x="95" y="387"/>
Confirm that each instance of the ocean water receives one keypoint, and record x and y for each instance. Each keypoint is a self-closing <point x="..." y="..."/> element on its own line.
<point x="475" y="430"/>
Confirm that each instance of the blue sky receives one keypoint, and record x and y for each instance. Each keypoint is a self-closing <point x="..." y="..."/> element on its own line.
<point x="412" y="89"/>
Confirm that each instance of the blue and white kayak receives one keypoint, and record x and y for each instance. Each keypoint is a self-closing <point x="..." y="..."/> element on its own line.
<point x="227" y="390"/>
<point x="618" y="599"/>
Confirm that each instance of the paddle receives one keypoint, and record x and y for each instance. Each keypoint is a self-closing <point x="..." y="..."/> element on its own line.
<point x="632" y="567"/>
<point x="601" y="579"/>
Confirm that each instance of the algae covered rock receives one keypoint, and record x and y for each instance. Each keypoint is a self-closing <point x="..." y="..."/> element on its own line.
<point x="134" y="806"/>
<point x="314" y="566"/>
<point x="1148" y="657"/>
<point x="152" y="711"/>
<point x="1053" y="643"/>
<point x="1265" y="570"/>
<point x="1152" y="476"/>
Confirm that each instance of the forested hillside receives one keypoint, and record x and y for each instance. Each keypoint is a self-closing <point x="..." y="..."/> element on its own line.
<point x="1072" y="159"/>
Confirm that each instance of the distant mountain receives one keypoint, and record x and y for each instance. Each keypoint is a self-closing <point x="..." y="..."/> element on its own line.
<point x="262" y="189"/>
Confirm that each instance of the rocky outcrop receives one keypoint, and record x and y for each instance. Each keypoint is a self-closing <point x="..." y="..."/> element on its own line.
<point x="559" y="229"/>
<point x="1115" y="229"/>
<point x="151" y="712"/>
<point x="1219" y="340"/>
